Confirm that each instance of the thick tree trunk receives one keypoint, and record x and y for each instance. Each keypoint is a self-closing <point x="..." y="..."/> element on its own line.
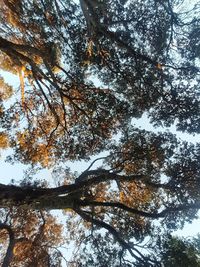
<point x="62" y="197"/>
<point x="9" y="253"/>
<point x="36" y="198"/>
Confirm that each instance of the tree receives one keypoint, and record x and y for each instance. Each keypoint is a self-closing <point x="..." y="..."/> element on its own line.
<point x="177" y="252"/>
<point x="33" y="237"/>
<point x="86" y="70"/>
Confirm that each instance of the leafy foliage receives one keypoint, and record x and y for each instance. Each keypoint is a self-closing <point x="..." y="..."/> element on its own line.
<point x="86" y="70"/>
<point x="35" y="236"/>
<point x="177" y="252"/>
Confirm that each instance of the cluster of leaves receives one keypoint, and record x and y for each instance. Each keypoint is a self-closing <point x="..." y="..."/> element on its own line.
<point x="34" y="236"/>
<point x="180" y="252"/>
<point x="86" y="70"/>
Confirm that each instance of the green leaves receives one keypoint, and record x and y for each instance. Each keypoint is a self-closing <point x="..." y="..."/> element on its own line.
<point x="90" y="69"/>
<point x="177" y="252"/>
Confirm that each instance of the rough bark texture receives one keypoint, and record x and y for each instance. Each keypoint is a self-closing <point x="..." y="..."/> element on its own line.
<point x="37" y="198"/>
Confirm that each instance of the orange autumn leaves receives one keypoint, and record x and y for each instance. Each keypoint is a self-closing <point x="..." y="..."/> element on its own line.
<point x="35" y="152"/>
<point x="93" y="52"/>
<point x="6" y="92"/>
<point x="35" y="235"/>
<point x="133" y="194"/>
<point x="10" y="9"/>
<point x="4" y="140"/>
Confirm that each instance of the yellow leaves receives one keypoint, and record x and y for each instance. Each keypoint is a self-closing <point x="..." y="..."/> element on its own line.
<point x="99" y="193"/>
<point x="133" y="194"/>
<point x="99" y="54"/>
<point x="159" y="66"/>
<point x="86" y="63"/>
<point x="50" y="18"/>
<point x="48" y="122"/>
<point x="35" y="232"/>
<point x="42" y="155"/>
<point x="34" y="151"/>
<point x="55" y="69"/>
<point x="11" y="13"/>
<point x="68" y="210"/>
<point x="21" y="248"/>
<point x="122" y="196"/>
<point x="103" y="53"/>
<point x="23" y="69"/>
<point x="22" y="138"/>
<point x="89" y="50"/>
<point x="38" y="60"/>
<point x="15" y="249"/>
<point x="6" y="90"/>
<point x="21" y="78"/>
<point x="12" y="19"/>
<point x="4" y="140"/>
<point x="7" y="64"/>
<point x="3" y="236"/>
<point x="52" y="231"/>
<point x="131" y="167"/>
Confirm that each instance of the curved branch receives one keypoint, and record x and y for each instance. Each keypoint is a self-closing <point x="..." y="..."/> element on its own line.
<point x="6" y="45"/>
<point x="120" y="206"/>
<point x="101" y="29"/>
<point x="93" y="177"/>
<point x="153" y="215"/>
<point x="112" y="231"/>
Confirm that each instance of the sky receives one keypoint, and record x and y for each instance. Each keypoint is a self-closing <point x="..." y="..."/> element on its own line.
<point x="16" y="171"/>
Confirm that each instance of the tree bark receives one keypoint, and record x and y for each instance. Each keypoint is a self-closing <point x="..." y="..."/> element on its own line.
<point x="9" y="252"/>
<point x="36" y="198"/>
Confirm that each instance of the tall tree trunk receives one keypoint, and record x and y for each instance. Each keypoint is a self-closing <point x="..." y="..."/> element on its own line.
<point x="36" y="198"/>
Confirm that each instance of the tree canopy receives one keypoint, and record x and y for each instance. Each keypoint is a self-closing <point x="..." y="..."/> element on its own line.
<point x="86" y="71"/>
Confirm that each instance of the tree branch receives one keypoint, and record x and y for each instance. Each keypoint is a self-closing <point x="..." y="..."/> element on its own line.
<point x="9" y="252"/>
<point x="119" y="206"/>
<point x="153" y="215"/>
<point x="112" y="231"/>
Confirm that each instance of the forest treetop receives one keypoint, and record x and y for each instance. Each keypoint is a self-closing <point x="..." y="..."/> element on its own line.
<point x="144" y="55"/>
<point x="86" y="70"/>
